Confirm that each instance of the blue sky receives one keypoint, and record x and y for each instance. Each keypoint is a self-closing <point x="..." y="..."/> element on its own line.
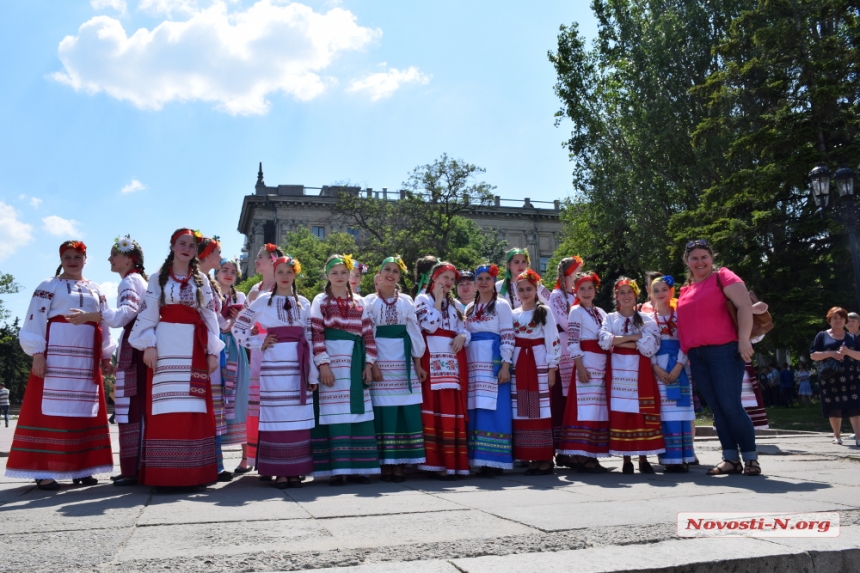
<point x="141" y="116"/>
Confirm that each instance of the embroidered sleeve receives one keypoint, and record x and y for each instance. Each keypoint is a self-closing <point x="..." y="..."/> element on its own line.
<point x="207" y="312"/>
<point x="506" y="329"/>
<point x="143" y="333"/>
<point x="560" y="307"/>
<point x="244" y="323"/>
<point x="429" y="319"/>
<point x="458" y="325"/>
<point x="35" y="328"/>
<point x="543" y="294"/>
<point x="605" y="336"/>
<point x="367" y="335"/>
<point x="318" y="331"/>
<point x="574" y="333"/>
<point x="412" y="328"/>
<point x="314" y="374"/>
<point x="650" y="341"/>
<point x="127" y="304"/>
<point x="551" y="342"/>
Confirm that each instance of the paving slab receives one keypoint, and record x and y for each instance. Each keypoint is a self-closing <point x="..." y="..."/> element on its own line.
<point x="73" y="508"/>
<point x="435" y="566"/>
<point x="245" y="499"/>
<point x="61" y="551"/>
<point x="378" y="498"/>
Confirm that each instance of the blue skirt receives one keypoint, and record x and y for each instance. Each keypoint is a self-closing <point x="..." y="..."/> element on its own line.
<point x="491" y="433"/>
<point x="679" y="443"/>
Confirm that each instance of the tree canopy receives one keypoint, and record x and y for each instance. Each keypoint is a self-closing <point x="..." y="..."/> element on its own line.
<point x="700" y="119"/>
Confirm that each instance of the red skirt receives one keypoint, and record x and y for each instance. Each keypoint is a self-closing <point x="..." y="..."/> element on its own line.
<point x="129" y="437"/>
<point x="445" y="438"/>
<point x="533" y="439"/>
<point x="58" y="447"/>
<point x="581" y="437"/>
<point x="637" y="434"/>
<point x="757" y="414"/>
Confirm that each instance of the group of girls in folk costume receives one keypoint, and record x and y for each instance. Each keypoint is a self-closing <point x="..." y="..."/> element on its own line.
<point x="62" y="430"/>
<point x="344" y="437"/>
<point x="397" y="373"/>
<point x="288" y="376"/>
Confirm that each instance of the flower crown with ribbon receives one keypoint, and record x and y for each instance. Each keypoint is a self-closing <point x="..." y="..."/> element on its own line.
<point x="396" y="259"/>
<point x="79" y="246"/>
<point x="627" y="282"/>
<point x="345" y="260"/>
<point x="492" y="269"/>
<point x="586" y="277"/>
<point x="289" y="260"/>
<point x="197" y="235"/>
<point x="577" y="264"/>
<point x="530" y="276"/>
<point x="214" y="242"/>
<point x="670" y="282"/>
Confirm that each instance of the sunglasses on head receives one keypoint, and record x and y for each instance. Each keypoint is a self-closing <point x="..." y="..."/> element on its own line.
<point x="698" y="243"/>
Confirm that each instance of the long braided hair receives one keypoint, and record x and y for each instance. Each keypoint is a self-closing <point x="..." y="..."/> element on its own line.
<point x="562" y="272"/>
<point x="490" y="307"/>
<point x="295" y="294"/>
<point x="423" y="266"/>
<point x="164" y="274"/>
<point x="450" y="296"/>
<point x="507" y="287"/>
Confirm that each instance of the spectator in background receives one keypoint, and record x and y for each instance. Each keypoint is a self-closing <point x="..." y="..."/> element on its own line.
<point x="786" y="385"/>
<point x="853" y="326"/>
<point x="773" y="386"/>
<point x="804" y="388"/>
<point x="4" y="403"/>
<point x="465" y="289"/>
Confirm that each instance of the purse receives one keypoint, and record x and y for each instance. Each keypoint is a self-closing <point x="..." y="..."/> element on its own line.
<point x="762" y="323"/>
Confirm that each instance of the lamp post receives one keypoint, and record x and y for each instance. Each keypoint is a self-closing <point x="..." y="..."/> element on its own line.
<point x="843" y="210"/>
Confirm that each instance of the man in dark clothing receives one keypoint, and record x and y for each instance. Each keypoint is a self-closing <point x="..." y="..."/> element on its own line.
<point x="786" y="385"/>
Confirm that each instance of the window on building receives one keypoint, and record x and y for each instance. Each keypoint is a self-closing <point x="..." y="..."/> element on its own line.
<point x="353" y="232"/>
<point x="269" y="232"/>
<point x="319" y="232"/>
<point x="544" y="264"/>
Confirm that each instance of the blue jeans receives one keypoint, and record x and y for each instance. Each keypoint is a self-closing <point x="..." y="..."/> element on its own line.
<point x="4" y="411"/>
<point x="718" y="372"/>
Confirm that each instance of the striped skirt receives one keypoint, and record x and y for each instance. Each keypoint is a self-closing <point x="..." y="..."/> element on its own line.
<point x="285" y="454"/>
<point x="491" y="433"/>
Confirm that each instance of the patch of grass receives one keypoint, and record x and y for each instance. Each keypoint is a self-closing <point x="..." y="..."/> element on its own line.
<point x="806" y="417"/>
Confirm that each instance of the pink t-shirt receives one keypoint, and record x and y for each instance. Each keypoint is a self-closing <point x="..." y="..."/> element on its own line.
<point x="703" y="319"/>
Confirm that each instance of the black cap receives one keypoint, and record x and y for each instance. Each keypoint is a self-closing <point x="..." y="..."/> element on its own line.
<point x="466" y="276"/>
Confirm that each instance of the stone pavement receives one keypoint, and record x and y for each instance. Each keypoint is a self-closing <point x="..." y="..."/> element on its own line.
<point x="566" y="522"/>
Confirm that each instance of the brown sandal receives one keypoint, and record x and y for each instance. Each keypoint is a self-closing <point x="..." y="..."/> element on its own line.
<point x="752" y="470"/>
<point x="717" y="470"/>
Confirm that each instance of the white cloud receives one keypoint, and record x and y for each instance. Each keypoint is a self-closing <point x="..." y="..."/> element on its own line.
<point x="14" y="233"/>
<point x="169" y="7"/>
<point x="234" y="59"/>
<point x="384" y="84"/>
<point x="34" y="201"/>
<point x="60" y="227"/>
<point x="135" y="185"/>
<point x="118" y="5"/>
<point x="109" y="289"/>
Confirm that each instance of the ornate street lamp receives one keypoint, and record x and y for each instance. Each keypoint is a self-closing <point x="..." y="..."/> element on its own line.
<point x="844" y="210"/>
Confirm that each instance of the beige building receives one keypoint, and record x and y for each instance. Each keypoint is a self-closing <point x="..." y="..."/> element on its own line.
<point x="271" y="212"/>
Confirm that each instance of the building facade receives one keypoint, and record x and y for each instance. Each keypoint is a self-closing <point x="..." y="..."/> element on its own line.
<point x="273" y="211"/>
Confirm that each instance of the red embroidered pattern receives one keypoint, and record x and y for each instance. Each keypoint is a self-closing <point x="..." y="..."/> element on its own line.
<point x="43" y="294"/>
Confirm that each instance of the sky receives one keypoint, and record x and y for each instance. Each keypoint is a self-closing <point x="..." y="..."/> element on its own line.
<point x="141" y="116"/>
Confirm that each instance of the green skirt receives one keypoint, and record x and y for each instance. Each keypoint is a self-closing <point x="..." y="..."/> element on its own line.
<point x="399" y="434"/>
<point x="343" y="449"/>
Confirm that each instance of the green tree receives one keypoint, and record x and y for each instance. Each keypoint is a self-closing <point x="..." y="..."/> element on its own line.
<point x="786" y="96"/>
<point x="628" y="98"/>
<point x="7" y="286"/>
<point x="14" y="362"/>
<point x="430" y="217"/>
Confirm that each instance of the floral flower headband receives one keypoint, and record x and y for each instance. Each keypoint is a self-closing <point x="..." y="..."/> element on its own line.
<point x="198" y="236"/>
<point x="395" y="259"/>
<point x="124" y="245"/>
<point x="79" y="246"/>
<point x="289" y="260"/>
<point x="586" y="278"/>
<point x="670" y="282"/>
<point x="530" y="276"/>
<point x="215" y="241"/>
<point x="492" y="269"/>
<point x="577" y="264"/>
<point x="345" y="260"/>
<point x="627" y="282"/>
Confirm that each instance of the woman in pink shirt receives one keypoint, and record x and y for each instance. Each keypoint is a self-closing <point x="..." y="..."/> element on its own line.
<point x="718" y="351"/>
